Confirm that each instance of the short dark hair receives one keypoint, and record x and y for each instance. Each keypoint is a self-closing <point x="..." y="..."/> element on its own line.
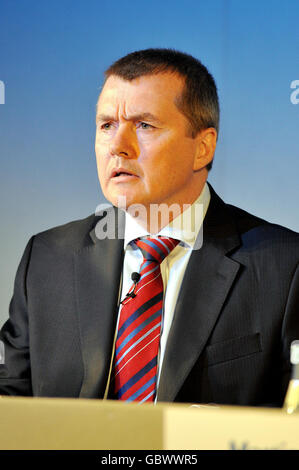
<point x="199" y="99"/>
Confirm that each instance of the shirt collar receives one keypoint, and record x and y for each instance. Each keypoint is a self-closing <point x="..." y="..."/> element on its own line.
<point x="184" y="227"/>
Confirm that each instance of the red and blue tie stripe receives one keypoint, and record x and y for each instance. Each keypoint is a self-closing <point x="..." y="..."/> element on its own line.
<point x="139" y="328"/>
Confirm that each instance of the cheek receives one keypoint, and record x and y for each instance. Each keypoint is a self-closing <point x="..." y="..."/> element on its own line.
<point x="162" y="176"/>
<point x="102" y="171"/>
<point x="101" y="153"/>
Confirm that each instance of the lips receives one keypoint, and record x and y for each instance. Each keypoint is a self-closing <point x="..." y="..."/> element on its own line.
<point x="120" y="172"/>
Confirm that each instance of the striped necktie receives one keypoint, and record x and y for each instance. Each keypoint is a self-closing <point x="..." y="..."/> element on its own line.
<point x="139" y="328"/>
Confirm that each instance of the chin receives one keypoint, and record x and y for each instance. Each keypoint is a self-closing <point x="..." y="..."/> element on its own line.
<point x="123" y="200"/>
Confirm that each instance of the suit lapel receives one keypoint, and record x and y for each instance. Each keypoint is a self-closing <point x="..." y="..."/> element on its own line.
<point x="98" y="270"/>
<point x="207" y="281"/>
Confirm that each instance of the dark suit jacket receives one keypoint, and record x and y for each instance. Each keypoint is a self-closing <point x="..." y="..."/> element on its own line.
<point x="236" y="315"/>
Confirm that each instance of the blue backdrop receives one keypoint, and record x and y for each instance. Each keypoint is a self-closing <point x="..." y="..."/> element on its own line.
<point x="52" y="57"/>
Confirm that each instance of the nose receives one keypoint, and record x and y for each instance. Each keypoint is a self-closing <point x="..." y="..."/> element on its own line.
<point x="124" y="142"/>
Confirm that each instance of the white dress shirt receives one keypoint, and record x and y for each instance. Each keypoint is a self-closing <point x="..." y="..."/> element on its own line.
<point x="186" y="228"/>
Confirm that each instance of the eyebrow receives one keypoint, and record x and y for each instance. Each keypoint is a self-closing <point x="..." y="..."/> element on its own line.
<point x="133" y="117"/>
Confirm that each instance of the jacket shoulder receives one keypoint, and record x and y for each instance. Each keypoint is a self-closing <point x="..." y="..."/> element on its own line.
<point x="256" y="236"/>
<point x="73" y="235"/>
<point x="261" y="236"/>
<point x="222" y="214"/>
<point x="246" y="221"/>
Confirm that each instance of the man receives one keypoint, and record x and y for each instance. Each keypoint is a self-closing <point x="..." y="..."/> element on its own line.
<point x="230" y="306"/>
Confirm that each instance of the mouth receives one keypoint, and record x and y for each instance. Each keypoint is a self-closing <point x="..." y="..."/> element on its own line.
<point x="122" y="175"/>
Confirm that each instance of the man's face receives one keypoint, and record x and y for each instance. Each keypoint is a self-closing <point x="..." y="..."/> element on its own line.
<point x="142" y="145"/>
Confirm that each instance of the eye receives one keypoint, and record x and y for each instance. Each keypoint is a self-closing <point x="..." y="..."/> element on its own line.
<point x="145" y="125"/>
<point x="106" y="126"/>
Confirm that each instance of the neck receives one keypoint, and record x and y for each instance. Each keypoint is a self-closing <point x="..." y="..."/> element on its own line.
<point x="155" y="217"/>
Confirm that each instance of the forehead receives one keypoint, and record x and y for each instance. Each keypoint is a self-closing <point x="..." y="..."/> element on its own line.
<point x="153" y="92"/>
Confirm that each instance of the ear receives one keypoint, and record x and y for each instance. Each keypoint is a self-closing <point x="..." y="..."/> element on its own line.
<point x="206" y="146"/>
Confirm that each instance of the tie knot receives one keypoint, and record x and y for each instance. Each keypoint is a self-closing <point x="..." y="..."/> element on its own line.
<point x="156" y="248"/>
